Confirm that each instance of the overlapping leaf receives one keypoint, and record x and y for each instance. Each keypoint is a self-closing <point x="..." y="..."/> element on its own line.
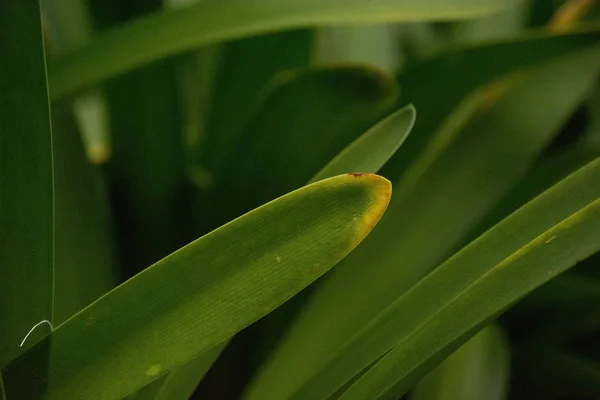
<point x="26" y="182"/>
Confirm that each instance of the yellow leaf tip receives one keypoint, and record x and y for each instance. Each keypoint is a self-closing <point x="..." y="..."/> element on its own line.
<point x="381" y="192"/>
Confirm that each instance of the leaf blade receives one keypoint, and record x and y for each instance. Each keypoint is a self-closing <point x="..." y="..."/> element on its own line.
<point x="210" y="22"/>
<point x="26" y="180"/>
<point x="370" y="151"/>
<point x="130" y="349"/>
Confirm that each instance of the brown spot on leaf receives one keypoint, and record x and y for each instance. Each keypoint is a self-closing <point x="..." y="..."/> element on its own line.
<point x="356" y="174"/>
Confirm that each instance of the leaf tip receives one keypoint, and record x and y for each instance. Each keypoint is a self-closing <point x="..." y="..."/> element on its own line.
<point x="380" y="193"/>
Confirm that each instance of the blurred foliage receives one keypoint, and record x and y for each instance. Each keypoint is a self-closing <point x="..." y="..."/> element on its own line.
<point x="133" y="132"/>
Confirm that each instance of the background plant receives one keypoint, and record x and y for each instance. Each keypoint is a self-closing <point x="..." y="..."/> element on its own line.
<point x="129" y="129"/>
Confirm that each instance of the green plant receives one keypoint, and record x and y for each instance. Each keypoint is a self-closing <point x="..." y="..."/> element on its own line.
<point x="172" y="185"/>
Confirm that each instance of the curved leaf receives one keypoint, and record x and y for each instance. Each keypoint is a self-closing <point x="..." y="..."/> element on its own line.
<point x="210" y="22"/>
<point x="26" y="181"/>
<point x="202" y="294"/>
<point x="374" y="148"/>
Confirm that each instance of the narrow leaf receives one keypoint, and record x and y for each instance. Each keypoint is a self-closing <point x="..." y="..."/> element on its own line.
<point x="536" y="243"/>
<point x="26" y="193"/>
<point x="374" y="148"/>
<point x="210" y="22"/>
<point x="202" y="294"/>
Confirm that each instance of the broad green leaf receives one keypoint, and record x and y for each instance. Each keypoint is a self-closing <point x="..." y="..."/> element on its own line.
<point x="303" y="120"/>
<point x="437" y="203"/>
<point x="85" y="262"/>
<point x="538" y="242"/>
<point x="202" y="294"/>
<point x="26" y="192"/>
<point x="373" y="148"/>
<point x="437" y="84"/>
<point x="209" y="22"/>
<point x="477" y="370"/>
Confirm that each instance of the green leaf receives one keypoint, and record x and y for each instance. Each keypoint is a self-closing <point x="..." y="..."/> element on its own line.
<point x="26" y="192"/>
<point x="303" y="120"/>
<point x="209" y="22"/>
<point x="85" y="259"/>
<point x="437" y="203"/>
<point x="538" y="242"/>
<point x="202" y="294"/>
<point x="477" y="370"/>
<point x="374" y="148"/>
